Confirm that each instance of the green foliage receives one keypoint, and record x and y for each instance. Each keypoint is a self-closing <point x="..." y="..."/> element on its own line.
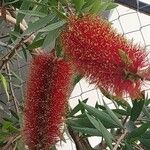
<point x="136" y="109"/>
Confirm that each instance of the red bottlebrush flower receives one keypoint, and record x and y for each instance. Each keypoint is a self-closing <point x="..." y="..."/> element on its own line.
<point x="104" y="56"/>
<point x="47" y="92"/>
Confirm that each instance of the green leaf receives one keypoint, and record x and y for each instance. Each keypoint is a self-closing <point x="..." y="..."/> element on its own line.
<point x="53" y="26"/>
<point x="79" y="122"/>
<point x="40" y="23"/>
<point x="77" y="108"/>
<point x="98" y="7"/>
<point x="120" y="111"/>
<point x="4" y="135"/>
<point x="32" y="13"/>
<point x="88" y="5"/>
<point x="77" y="79"/>
<point x="25" y="5"/>
<point x="146" y="112"/>
<point x="51" y="36"/>
<point x="14" y="114"/>
<point x="111" y="5"/>
<point x="24" y="53"/>
<point x="113" y="116"/>
<point x="127" y="146"/>
<point x="145" y="142"/>
<point x="36" y="44"/>
<point x="59" y="13"/>
<point x="78" y="4"/>
<point x="102" y="116"/>
<point x="146" y="135"/>
<point x="8" y="126"/>
<point x="89" y="131"/>
<point x="9" y="3"/>
<point x="102" y="130"/>
<point x="145" y="139"/>
<point x="138" y="132"/>
<point x="130" y="126"/>
<point x="5" y="84"/>
<point x="136" y="109"/>
<point x="16" y="76"/>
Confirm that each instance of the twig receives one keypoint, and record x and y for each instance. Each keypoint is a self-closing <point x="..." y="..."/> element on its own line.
<point x="13" y="21"/>
<point x="23" y="25"/>
<point x="8" y="56"/>
<point x="12" y="140"/>
<point x="28" y="40"/>
<point x="80" y="142"/>
<point x="4" y="36"/>
<point x="120" y="139"/>
<point x="5" y="45"/>
<point x="14" y="148"/>
<point x="16" y="103"/>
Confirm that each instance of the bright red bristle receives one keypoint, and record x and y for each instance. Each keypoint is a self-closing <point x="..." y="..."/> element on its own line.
<point x="47" y="92"/>
<point x="108" y="59"/>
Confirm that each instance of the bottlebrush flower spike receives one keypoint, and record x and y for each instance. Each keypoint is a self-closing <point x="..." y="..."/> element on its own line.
<point x="104" y="56"/>
<point x="47" y="92"/>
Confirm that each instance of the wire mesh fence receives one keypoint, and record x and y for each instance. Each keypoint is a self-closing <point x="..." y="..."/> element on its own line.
<point x="131" y="23"/>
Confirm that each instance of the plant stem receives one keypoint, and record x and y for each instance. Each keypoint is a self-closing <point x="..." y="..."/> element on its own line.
<point x="120" y="140"/>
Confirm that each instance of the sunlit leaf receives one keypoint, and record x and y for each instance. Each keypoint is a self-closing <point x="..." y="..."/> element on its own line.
<point x="5" y="84"/>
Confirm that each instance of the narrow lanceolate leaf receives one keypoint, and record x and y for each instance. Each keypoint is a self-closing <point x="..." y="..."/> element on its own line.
<point x="138" y="132"/>
<point x="59" y="13"/>
<point x="51" y="36"/>
<point x="145" y="142"/>
<point x="53" y="26"/>
<point x="79" y="122"/>
<point x="98" y="7"/>
<point x="113" y="116"/>
<point x="25" y="5"/>
<point x="136" y="109"/>
<point x="16" y="76"/>
<point x="14" y="114"/>
<point x="42" y="22"/>
<point x="78" y="4"/>
<point x="32" y="13"/>
<point x="77" y="108"/>
<point x="99" y="126"/>
<point x="88" y="131"/>
<point x="5" y="84"/>
<point x="102" y="116"/>
<point x="111" y="5"/>
<point x="36" y="44"/>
